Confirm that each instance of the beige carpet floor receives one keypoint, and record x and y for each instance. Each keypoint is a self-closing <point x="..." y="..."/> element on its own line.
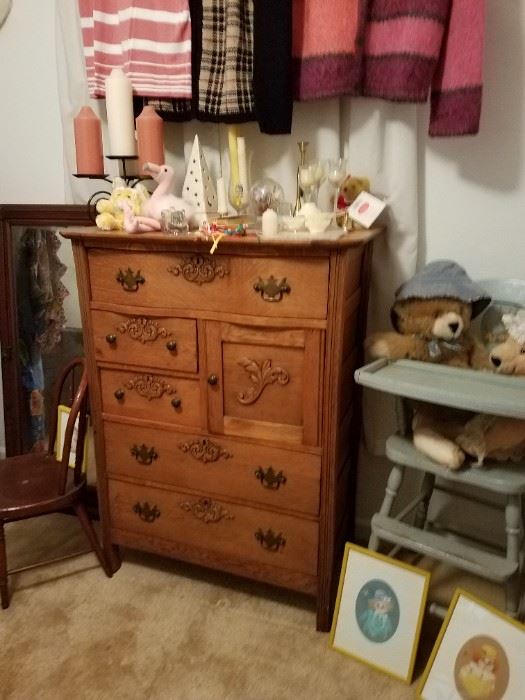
<point x="162" y="629"/>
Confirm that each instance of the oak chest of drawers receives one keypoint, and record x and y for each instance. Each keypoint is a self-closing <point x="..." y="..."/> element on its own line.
<point x="226" y="418"/>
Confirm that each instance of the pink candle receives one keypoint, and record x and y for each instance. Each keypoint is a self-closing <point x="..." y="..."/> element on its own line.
<point x="150" y="137"/>
<point x="88" y="143"/>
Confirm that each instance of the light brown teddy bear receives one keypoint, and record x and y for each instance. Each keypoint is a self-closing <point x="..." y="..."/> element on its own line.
<point x="432" y="314"/>
<point x="482" y="436"/>
<point x="350" y="188"/>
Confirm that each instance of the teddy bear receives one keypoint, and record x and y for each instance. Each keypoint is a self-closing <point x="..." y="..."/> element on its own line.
<point x="481" y="436"/>
<point x="350" y="188"/>
<point x="431" y="315"/>
<point x="111" y="210"/>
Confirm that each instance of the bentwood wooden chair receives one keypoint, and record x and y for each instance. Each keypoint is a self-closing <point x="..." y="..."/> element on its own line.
<point x="38" y="484"/>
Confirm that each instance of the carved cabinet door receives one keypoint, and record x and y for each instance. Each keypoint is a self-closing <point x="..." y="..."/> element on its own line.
<point x="264" y="383"/>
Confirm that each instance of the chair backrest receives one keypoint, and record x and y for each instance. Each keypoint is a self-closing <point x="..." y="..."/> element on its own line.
<point x="70" y="389"/>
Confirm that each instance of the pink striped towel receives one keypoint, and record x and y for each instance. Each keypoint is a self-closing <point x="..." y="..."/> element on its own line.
<point x="149" y="39"/>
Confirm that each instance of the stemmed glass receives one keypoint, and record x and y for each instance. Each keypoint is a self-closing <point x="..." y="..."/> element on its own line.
<point x="311" y="175"/>
<point x="238" y="197"/>
<point x="336" y="172"/>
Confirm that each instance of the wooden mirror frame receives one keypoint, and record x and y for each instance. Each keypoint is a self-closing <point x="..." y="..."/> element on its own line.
<point x="11" y="215"/>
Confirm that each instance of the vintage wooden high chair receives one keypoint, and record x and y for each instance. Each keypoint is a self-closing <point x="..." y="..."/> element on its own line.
<point x="471" y="390"/>
<point x="37" y="483"/>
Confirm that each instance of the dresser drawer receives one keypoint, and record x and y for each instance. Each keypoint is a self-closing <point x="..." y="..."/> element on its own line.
<point x="161" y="398"/>
<point x="166" y="343"/>
<point x="217" y="526"/>
<point x="262" y="286"/>
<point x="215" y="465"/>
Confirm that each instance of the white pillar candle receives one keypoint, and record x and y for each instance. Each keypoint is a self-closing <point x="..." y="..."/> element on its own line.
<point x="269" y="223"/>
<point x="222" y="206"/>
<point x="119" y="107"/>
<point x="243" y="166"/>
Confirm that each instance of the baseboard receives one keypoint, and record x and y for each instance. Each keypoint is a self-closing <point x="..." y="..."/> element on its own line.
<point x="2" y="452"/>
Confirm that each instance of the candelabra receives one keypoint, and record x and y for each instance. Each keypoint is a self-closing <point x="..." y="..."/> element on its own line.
<point x="130" y="181"/>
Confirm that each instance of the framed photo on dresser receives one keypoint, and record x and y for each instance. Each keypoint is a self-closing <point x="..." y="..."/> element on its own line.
<point x="379" y="611"/>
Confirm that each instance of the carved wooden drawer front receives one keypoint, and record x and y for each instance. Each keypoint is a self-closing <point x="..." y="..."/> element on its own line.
<point x="213" y="464"/>
<point x="267" y="382"/>
<point x="231" y="530"/>
<point x="272" y="286"/>
<point x="166" y="343"/>
<point x="155" y="397"/>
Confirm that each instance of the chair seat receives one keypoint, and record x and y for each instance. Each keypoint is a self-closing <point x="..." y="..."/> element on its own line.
<point x="30" y="483"/>
<point x="498" y="477"/>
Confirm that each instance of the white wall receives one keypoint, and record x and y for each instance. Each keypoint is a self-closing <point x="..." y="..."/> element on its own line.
<point x="471" y="189"/>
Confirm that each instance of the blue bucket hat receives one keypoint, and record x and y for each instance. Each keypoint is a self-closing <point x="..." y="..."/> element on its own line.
<point x="444" y="278"/>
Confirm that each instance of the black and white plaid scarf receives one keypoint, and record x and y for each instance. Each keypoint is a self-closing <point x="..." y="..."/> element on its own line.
<point x="226" y="69"/>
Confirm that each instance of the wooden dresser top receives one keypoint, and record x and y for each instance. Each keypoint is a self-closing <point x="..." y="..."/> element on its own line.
<point x="93" y="236"/>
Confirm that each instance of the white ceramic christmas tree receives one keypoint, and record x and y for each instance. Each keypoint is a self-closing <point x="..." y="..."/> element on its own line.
<point x="198" y="186"/>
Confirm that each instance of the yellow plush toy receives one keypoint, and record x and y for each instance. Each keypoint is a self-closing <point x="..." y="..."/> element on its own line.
<point x="110" y="212"/>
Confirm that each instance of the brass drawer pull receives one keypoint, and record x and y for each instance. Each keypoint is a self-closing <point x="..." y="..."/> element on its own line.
<point x="143" y="454"/>
<point x="213" y="379"/>
<point x="130" y="280"/>
<point x="119" y="394"/>
<point x="271" y="289"/>
<point x="171" y="345"/>
<point x="269" y="540"/>
<point x="111" y="339"/>
<point x="206" y="510"/>
<point x="176" y="403"/>
<point x="146" y="512"/>
<point x="269" y="478"/>
<point x="204" y="450"/>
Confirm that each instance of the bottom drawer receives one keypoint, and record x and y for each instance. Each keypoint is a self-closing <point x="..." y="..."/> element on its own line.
<point x="226" y="529"/>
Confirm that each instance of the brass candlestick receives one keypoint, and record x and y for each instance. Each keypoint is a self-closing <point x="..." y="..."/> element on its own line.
<point x="299" y="196"/>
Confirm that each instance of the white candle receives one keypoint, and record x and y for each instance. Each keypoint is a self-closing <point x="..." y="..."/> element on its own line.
<point x="243" y="166"/>
<point x="269" y="223"/>
<point x="222" y="206"/>
<point x="119" y="107"/>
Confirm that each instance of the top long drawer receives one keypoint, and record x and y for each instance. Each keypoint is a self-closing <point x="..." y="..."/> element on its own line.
<point x="261" y="286"/>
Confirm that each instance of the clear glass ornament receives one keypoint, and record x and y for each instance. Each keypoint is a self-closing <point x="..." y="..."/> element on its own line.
<point x="266" y="194"/>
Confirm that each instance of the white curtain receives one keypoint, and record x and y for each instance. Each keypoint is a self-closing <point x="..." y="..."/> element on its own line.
<point x="378" y="138"/>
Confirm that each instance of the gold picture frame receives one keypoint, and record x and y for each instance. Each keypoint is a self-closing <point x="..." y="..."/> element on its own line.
<point x="62" y="417"/>
<point x="379" y="611"/>
<point x="478" y="653"/>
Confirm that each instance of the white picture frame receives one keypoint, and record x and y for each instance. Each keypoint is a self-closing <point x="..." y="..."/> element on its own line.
<point x="479" y="653"/>
<point x="379" y="611"/>
<point x="365" y="209"/>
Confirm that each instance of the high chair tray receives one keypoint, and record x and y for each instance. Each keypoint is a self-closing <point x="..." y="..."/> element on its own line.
<point x="474" y="390"/>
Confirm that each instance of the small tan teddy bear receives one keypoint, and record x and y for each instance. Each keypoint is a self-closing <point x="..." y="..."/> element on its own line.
<point x="431" y="315"/>
<point x="482" y="436"/>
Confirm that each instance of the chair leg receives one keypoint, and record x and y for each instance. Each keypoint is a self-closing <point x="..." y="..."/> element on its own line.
<point x="427" y="487"/>
<point x="514" y="541"/>
<point x="88" y="528"/>
<point x="4" y="588"/>
<point x="393" y="485"/>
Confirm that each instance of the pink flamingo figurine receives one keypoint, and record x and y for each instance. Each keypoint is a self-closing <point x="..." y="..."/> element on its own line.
<point x="162" y="198"/>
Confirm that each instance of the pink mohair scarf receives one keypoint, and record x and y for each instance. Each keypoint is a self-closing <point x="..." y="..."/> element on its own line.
<point x="399" y="50"/>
